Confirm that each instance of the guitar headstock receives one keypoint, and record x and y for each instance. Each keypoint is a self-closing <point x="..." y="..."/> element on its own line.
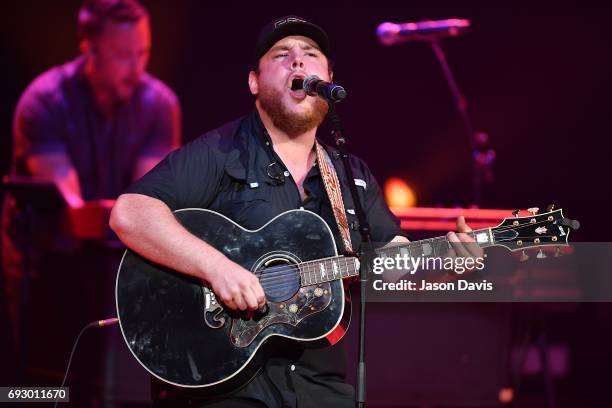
<point x="549" y="228"/>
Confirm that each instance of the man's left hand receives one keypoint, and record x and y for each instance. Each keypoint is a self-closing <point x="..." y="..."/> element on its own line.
<point x="462" y="244"/>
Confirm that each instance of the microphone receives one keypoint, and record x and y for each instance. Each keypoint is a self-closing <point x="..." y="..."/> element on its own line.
<point x="390" y="33"/>
<point x="276" y="173"/>
<point x="315" y="86"/>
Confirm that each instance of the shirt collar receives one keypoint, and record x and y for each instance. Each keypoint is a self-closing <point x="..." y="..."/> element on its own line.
<point x="260" y="153"/>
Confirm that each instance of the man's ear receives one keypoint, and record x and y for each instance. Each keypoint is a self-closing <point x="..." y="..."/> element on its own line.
<point x="253" y="83"/>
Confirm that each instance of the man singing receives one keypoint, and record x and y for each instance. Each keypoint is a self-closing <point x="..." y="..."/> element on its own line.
<point x="251" y="170"/>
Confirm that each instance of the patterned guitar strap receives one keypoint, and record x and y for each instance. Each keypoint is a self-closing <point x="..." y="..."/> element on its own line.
<point x="332" y="186"/>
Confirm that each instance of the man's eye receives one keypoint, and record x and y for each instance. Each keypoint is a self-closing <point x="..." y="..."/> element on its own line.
<point x="280" y="55"/>
<point x="312" y="54"/>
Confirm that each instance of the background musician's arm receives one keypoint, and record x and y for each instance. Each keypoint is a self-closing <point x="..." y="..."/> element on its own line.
<point x="39" y="146"/>
<point x="59" y="168"/>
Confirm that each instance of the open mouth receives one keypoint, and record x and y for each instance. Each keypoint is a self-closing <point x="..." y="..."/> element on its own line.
<point x="297" y="88"/>
<point x="297" y="84"/>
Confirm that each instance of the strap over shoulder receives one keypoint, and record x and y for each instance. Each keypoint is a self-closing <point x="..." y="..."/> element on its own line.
<point x="334" y="192"/>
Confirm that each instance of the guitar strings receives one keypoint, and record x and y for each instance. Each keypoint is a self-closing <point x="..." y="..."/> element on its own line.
<point x="289" y="270"/>
<point x="307" y="263"/>
<point x="282" y="272"/>
<point x="285" y="273"/>
<point x="275" y="281"/>
<point x="302" y="265"/>
<point x="292" y="271"/>
<point x="442" y="238"/>
<point x="298" y="265"/>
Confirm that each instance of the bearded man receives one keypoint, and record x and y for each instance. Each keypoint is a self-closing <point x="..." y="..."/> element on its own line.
<point x="252" y="170"/>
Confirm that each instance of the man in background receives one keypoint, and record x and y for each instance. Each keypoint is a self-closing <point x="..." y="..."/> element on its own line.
<point x="92" y="126"/>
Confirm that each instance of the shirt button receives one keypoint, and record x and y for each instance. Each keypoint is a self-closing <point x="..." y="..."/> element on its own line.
<point x="292" y="367"/>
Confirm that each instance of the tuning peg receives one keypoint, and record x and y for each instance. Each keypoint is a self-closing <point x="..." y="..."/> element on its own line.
<point x="550" y="207"/>
<point x="558" y="252"/>
<point x="516" y="213"/>
<point x="541" y="255"/>
<point x="524" y="256"/>
<point x="533" y="210"/>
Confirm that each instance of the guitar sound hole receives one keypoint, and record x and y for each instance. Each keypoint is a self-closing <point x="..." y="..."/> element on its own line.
<point x="279" y="279"/>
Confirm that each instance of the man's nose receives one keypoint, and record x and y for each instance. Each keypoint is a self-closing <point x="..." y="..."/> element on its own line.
<point x="297" y="63"/>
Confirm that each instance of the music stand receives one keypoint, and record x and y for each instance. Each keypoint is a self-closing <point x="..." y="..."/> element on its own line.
<point x="39" y="194"/>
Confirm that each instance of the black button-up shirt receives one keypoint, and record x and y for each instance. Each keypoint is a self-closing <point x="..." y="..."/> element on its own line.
<point x="231" y="170"/>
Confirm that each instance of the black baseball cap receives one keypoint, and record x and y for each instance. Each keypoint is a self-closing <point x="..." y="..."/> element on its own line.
<point x="290" y="25"/>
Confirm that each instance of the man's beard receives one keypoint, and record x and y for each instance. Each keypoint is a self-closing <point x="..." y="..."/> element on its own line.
<point x="290" y="122"/>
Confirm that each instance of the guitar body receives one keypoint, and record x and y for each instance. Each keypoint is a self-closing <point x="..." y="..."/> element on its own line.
<point x="177" y="330"/>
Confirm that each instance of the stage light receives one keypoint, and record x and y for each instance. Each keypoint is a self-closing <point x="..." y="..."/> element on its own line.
<point x="399" y="194"/>
<point x="506" y="395"/>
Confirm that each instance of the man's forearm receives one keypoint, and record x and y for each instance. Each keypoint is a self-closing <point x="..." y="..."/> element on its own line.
<point x="59" y="168"/>
<point x="147" y="226"/>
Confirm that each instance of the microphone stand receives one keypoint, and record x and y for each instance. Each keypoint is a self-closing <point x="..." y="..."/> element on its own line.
<point x="366" y="243"/>
<point x="482" y="154"/>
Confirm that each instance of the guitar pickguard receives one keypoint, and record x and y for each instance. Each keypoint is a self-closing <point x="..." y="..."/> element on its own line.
<point x="213" y="311"/>
<point x="307" y="301"/>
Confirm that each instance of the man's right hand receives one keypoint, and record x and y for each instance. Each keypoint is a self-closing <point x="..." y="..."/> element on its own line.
<point x="237" y="288"/>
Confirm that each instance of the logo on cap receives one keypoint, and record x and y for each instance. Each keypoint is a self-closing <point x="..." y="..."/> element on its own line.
<point x="288" y="20"/>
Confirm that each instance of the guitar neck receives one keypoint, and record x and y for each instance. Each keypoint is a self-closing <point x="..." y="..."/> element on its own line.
<point x="338" y="267"/>
<point x="433" y="247"/>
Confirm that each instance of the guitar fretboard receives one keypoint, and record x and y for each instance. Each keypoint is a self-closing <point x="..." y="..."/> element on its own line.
<point x="338" y="267"/>
<point x="432" y="247"/>
<point x="328" y="269"/>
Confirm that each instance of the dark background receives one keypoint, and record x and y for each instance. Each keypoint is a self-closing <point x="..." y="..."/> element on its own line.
<point x="537" y="78"/>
